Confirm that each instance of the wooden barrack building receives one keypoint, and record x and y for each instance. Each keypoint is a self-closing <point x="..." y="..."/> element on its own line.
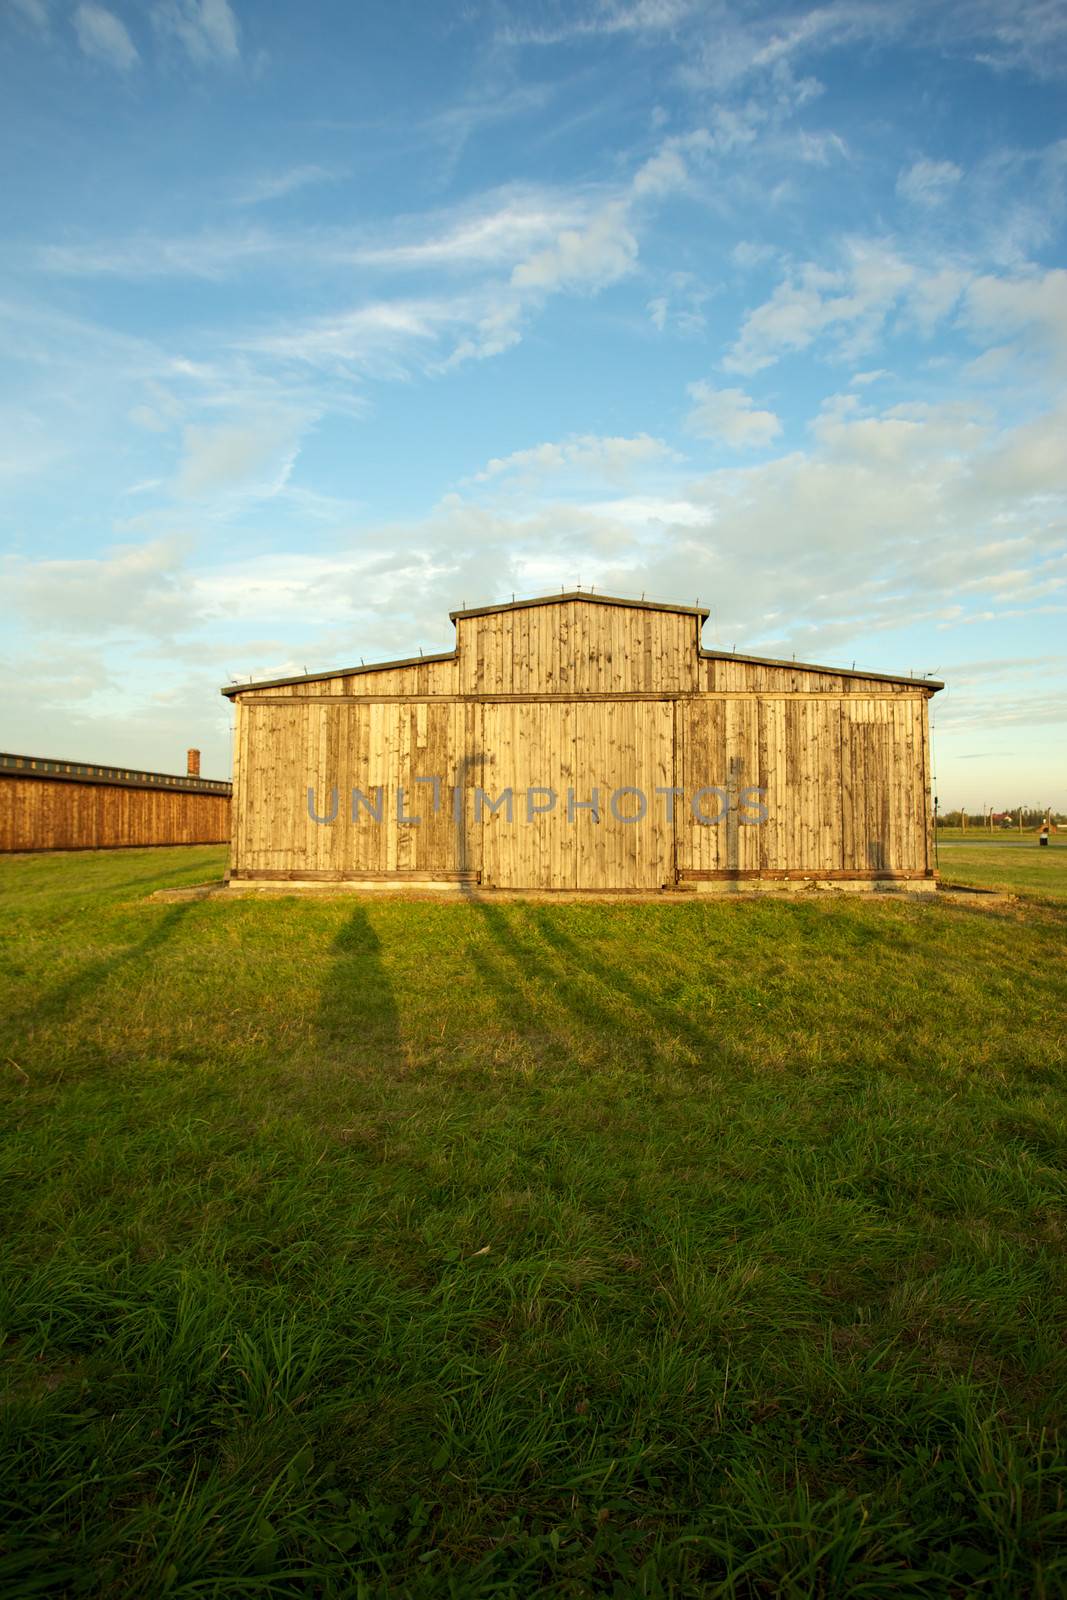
<point x="74" y="805"/>
<point x="669" y="764"/>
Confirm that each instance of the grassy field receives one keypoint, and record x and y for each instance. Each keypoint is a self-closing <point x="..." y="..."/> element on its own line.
<point x="975" y="835"/>
<point x="374" y="1249"/>
<point x="1019" y="866"/>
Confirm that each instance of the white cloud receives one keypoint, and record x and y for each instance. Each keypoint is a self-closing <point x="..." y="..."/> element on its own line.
<point x="207" y="29"/>
<point x="378" y="337"/>
<point x="1032" y="308"/>
<point x="500" y="233"/>
<point x="276" y="185"/>
<point x="1028" y="34"/>
<point x="34" y="12"/>
<point x="134" y="588"/>
<point x="214" y="255"/>
<point x="530" y="244"/>
<point x="933" y="295"/>
<point x="599" y="253"/>
<point x="104" y="38"/>
<point x="1028" y="461"/>
<point x="253" y="456"/>
<point x="661" y="174"/>
<point x="850" y="303"/>
<point x="747" y="254"/>
<point x="605" y="17"/>
<point x="643" y="511"/>
<point x="723" y="47"/>
<point x="728" y="415"/>
<point x="818" y="149"/>
<point x="608" y="459"/>
<point x="28" y="446"/>
<point x="928" y="183"/>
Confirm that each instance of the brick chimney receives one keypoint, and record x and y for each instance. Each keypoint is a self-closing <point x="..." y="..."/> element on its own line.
<point x="193" y="763"/>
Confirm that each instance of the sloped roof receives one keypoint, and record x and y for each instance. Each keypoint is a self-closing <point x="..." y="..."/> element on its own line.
<point x="699" y="612"/>
<point x="581" y="594"/>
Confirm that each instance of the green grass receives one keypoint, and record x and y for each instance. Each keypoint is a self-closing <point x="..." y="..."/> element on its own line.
<point x="975" y="834"/>
<point x="364" y="1248"/>
<point x="1019" y="867"/>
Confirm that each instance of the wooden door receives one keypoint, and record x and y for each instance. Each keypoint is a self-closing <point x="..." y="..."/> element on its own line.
<point x="558" y="758"/>
<point x="717" y="754"/>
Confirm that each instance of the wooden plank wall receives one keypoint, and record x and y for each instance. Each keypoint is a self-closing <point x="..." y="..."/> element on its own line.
<point x="423" y="678"/>
<point x="284" y="749"/>
<point x="577" y="647"/>
<point x="42" y="814"/>
<point x="593" y="749"/>
<point x="844" y="778"/>
<point x="587" y="695"/>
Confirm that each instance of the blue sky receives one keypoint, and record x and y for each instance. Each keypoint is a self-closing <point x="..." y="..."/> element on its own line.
<point x="322" y="320"/>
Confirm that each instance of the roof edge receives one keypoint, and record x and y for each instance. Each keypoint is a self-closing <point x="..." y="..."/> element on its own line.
<point x="580" y="594"/>
<point x="13" y="765"/>
<point x="230" y="690"/>
<point x="813" y="666"/>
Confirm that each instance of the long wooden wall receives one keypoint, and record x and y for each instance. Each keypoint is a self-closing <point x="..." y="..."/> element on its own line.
<point x="53" y="814"/>
<point x="584" y="696"/>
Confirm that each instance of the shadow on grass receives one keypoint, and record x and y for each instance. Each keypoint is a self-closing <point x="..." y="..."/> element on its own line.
<point x="358" y="1013"/>
<point x="535" y="957"/>
<point x="55" y="1004"/>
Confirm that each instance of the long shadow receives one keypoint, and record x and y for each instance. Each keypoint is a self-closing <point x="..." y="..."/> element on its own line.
<point x="516" y="961"/>
<point x="564" y="970"/>
<point x="358" y="1018"/>
<point x="578" y="959"/>
<point x="58" y="1001"/>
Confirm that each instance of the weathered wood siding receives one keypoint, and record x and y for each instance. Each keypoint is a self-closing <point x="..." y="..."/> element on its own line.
<point x="295" y="758"/>
<point x="577" y="648"/>
<point x="432" y="677"/>
<point x="46" y="814"/>
<point x="584" y="696"/>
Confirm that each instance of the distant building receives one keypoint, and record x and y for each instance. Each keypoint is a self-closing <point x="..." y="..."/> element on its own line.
<point x="70" y="805"/>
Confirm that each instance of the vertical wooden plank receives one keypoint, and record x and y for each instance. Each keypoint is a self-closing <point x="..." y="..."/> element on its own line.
<point x="929" y="857"/>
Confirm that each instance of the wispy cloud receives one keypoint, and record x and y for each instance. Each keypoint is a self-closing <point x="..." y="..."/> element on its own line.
<point x="561" y="23"/>
<point x="599" y="253"/>
<point x="499" y="231"/>
<point x="128" y="589"/>
<point x="206" y="29"/>
<point x="604" y="459"/>
<point x="276" y="185"/>
<point x="928" y="183"/>
<point x="372" y="337"/>
<point x="104" y="38"/>
<point x="210" y="255"/>
<point x="253" y="456"/>
<point x="729" y="416"/>
<point x="35" y="12"/>
<point x="848" y="303"/>
<point x="1031" y="308"/>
